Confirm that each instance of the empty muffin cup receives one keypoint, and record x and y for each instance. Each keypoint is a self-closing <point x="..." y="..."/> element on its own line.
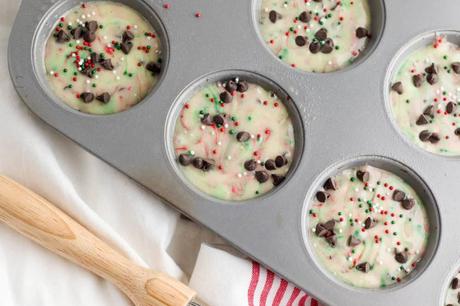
<point x="102" y="57"/>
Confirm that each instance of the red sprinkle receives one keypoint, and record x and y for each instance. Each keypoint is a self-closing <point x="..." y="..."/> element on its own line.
<point x="166" y="5"/>
<point x="197" y="14"/>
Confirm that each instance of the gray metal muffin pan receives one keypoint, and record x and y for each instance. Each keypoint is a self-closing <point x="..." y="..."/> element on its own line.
<point x="341" y="118"/>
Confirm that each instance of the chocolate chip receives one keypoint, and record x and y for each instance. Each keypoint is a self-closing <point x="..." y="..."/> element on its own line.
<point x="300" y="41"/>
<point x="153" y="67"/>
<point x="408" y="203"/>
<point x="353" y="241"/>
<point x="104" y="97"/>
<point x="262" y="176"/>
<point x="225" y="97"/>
<point x="242" y="86"/>
<point x="86" y="97"/>
<point x="361" y="32"/>
<point x="274" y="16"/>
<point x="424" y="135"/>
<point x="328" y="46"/>
<point x="456" y="67"/>
<point x="277" y="179"/>
<point x="398" y="195"/>
<point x="429" y="111"/>
<point x="329" y="225"/>
<point x="432" y="78"/>
<point x="451" y="107"/>
<point x="271" y="165"/>
<point x="417" y="80"/>
<point x="91" y="26"/>
<point x="77" y="32"/>
<point x="89" y="36"/>
<point x="321" y="230"/>
<point x="230" y="86"/>
<point x="95" y="57"/>
<point x="363" y="176"/>
<point x="401" y="257"/>
<point x="434" y="138"/>
<point x="126" y="46"/>
<point x="321" y="34"/>
<point x="207" y="165"/>
<point x="218" y="120"/>
<point x="62" y="36"/>
<point x="198" y="163"/>
<point x="305" y="17"/>
<point x="314" y="47"/>
<point x="280" y="161"/>
<point x="398" y="87"/>
<point x="369" y="223"/>
<point x="243" y="136"/>
<point x="422" y="120"/>
<point x="321" y="196"/>
<point x="250" y="165"/>
<point x="185" y="159"/>
<point x="454" y="283"/>
<point x="88" y="71"/>
<point x="332" y="240"/>
<point x="107" y="64"/>
<point x="127" y="35"/>
<point x="431" y="69"/>
<point x="330" y="184"/>
<point x="457" y="131"/>
<point x="363" y="267"/>
<point x="206" y="119"/>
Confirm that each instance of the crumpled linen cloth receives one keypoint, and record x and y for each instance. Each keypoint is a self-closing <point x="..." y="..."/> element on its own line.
<point x="116" y="209"/>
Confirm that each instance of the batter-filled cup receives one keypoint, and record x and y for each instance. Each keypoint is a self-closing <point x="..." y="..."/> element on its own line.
<point x="102" y="57"/>
<point x="316" y="36"/>
<point x="367" y="227"/>
<point x="234" y="139"/>
<point x="425" y="94"/>
<point x="452" y="297"/>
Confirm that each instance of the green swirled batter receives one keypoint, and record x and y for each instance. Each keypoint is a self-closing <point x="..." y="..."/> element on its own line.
<point x="102" y="57"/>
<point x="368" y="227"/>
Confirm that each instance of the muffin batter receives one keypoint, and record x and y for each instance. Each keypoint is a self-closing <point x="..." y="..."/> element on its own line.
<point x="316" y="35"/>
<point x="234" y="140"/>
<point x="424" y="96"/>
<point x="367" y="227"/>
<point x="453" y="292"/>
<point x="102" y="57"/>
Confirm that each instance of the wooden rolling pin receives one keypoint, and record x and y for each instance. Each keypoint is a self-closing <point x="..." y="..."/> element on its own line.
<point x="38" y="219"/>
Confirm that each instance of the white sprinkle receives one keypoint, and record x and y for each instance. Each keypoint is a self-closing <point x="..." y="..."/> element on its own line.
<point x="203" y="127"/>
<point x="83" y="16"/>
<point x="329" y="63"/>
<point x="78" y="41"/>
<point x="192" y="152"/>
<point x="340" y="230"/>
<point x="149" y="38"/>
<point x="219" y="143"/>
<point x="114" y="71"/>
<point x="313" y="229"/>
<point x="88" y="81"/>
<point x="259" y="161"/>
<point x="253" y="136"/>
<point x="93" y="13"/>
<point x="135" y="26"/>
<point x="245" y="173"/>
<point x="118" y="78"/>
<point x="239" y="175"/>
<point x="226" y="125"/>
<point x="70" y="23"/>
<point x="105" y="37"/>
<point x="96" y="76"/>
<point x="229" y="157"/>
<point x="51" y="72"/>
<point x="122" y="58"/>
<point x="79" y="69"/>
<point x="381" y="262"/>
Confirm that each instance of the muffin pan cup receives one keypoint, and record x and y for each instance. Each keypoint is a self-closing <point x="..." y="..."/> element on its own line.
<point x="343" y="117"/>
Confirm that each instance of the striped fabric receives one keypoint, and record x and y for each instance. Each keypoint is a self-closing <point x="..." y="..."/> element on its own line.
<point x="267" y="289"/>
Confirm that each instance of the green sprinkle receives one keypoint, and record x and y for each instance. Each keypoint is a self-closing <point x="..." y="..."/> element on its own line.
<point x="101" y="26"/>
<point x="249" y="118"/>
<point x="130" y="74"/>
<point x="64" y="70"/>
<point x="94" y="85"/>
<point x="60" y="24"/>
<point x="352" y="179"/>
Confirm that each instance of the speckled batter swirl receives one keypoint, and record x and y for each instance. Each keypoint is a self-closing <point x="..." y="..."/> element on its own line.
<point x="234" y="140"/>
<point x="424" y="97"/>
<point x="367" y="227"/>
<point x="316" y="36"/>
<point x="102" y="57"/>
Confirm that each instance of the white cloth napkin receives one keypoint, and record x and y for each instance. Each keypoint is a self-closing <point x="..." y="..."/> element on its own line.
<point x="117" y="210"/>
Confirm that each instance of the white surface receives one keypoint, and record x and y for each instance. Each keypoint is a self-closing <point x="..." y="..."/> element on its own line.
<point x="105" y="201"/>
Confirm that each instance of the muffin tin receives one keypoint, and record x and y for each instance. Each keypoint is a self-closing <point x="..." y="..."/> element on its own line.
<point x="341" y="119"/>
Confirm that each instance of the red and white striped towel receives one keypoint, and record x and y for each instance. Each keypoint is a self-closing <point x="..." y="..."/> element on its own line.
<point x="226" y="280"/>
